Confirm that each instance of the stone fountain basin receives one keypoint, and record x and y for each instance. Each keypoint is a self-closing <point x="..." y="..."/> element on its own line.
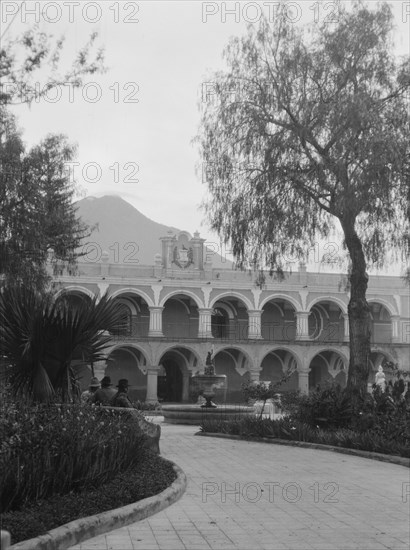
<point x="194" y="414"/>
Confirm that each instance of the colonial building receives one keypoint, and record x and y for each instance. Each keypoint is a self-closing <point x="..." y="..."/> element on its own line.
<point x="181" y="307"/>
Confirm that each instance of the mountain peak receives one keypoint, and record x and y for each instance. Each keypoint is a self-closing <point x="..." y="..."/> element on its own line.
<point x="123" y="231"/>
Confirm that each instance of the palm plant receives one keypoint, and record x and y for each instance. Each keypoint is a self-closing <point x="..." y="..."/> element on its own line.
<point x="40" y="336"/>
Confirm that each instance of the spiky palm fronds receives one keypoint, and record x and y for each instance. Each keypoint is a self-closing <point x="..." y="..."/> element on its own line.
<point x="40" y="336"/>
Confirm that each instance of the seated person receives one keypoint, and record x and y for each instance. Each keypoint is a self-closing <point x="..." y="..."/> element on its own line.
<point x="104" y="395"/>
<point x="92" y="388"/>
<point x="121" y="398"/>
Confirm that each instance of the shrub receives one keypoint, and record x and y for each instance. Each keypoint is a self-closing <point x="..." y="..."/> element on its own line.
<point x="53" y="449"/>
<point x="149" y="477"/>
<point x="329" y="408"/>
<point x="373" y="440"/>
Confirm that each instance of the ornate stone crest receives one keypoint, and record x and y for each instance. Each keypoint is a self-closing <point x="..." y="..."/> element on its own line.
<point x="183" y="257"/>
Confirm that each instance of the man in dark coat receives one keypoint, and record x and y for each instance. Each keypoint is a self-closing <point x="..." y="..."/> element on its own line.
<point x="104" y="395"/>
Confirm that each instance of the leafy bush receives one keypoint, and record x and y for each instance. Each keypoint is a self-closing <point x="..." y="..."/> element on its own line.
<point x="299" y="431"/>
<point x="262" y="391"/>
<point x="378" y="422"/>
<point x="329" y="408"/>
<point x="149" y="477"/>
<point x="53" y="449"/>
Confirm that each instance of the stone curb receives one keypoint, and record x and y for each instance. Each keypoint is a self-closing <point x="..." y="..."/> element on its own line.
<point x="399" y="460"/>
<point x="82" y="529"/>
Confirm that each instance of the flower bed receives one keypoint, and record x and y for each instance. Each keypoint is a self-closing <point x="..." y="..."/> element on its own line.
<point x="150" y="476"/>
<point x="289" y="429"/>
<point x="51" y="450"/>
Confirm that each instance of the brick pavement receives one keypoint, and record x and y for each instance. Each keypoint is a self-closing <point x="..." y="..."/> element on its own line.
<point x="252" y="496"/>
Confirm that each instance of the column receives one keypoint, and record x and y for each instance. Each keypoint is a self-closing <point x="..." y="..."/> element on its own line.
<point x="303" y="381"/>
<point x="395" y="330"/>
<point x="205" y="323"/>
<point x="185" y="387"/>
<point x="254" y="375"/>
<point x="346" y="334"/>
<point x="302" y="325"/>
<point x="152" y="384"/>
<point x="155" y="321"/>
<point x="254" y="324"/>
<point x="99" y="368"/>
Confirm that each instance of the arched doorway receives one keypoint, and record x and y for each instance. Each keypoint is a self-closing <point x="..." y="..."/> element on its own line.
<point x="326" y="322"/>
<point x="176" y="364"/>
<point x="234" y="364"/>
<point x="130" y="363"/>
<point x="327" y="368"/>
<point x="276" y="365"/>
<point x="170" y="382"/>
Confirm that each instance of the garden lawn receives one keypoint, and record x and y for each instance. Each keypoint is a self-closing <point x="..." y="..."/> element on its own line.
<point x="150" y="476"/>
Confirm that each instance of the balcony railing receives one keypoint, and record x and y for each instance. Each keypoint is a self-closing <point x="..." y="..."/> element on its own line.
<point x="238" y="332"/>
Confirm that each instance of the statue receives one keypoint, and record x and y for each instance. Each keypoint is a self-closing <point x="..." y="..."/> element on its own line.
<point x="209" y="365"/>
<point x="380" y="379"/>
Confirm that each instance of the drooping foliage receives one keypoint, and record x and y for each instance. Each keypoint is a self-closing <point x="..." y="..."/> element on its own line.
<point x="305" y="132"/>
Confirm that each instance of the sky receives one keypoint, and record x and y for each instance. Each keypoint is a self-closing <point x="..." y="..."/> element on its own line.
<point x="134" y="125"/>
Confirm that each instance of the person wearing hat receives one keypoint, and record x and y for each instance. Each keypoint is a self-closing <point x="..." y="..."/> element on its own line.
<point x="104" y="395"/>
<point x="92" y="388"/>
<point x="121" y="398"/>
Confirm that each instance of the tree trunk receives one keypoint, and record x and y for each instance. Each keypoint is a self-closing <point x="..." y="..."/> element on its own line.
<point x="359" y="314"/>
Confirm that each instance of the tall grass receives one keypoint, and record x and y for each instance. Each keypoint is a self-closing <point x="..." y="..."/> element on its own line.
<point x="54" y="449"/>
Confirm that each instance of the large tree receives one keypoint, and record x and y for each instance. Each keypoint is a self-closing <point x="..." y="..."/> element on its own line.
<point x="36" y="192"/>
<point x="305" y="132"/>
<point x="37" y="213"/>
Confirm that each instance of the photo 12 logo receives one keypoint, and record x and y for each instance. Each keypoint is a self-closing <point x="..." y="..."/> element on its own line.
<point x="91" y="92"/>
<point x="120" y="253"/>
<point x="68" y="12"/>
<point x="252" y="12"/>
<point x="272" y="491"/>
<point x="93" y="172"/>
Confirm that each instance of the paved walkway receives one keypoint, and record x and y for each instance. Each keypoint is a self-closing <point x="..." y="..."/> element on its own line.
<point x="246" y="496"/>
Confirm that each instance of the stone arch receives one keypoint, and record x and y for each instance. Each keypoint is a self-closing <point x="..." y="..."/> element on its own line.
<point x="129" y="345"/>
<point x="238" y="348"/>
<point x="232" y="294"/>
<point x="317" y="351"/>
<point x="328" y="366"/>
<point x="387" y="353"/>
<point x="74" y="289"/>
<point x="137" y="292"/>
<point x="128" y="361"/>
<point x="137" y="309"/>
<point x="288" y="349"/>
<point x="381" y="321"/>
<point x="183" y="292"/>
<point x="129" y="304"/>
<point x="326" y="321"/>
<point x="172" y="347"/>
<point x="278" y="296"/>
<point x="229" y="361"/>
<point x="278" y="319"/>
<point x="327" y="298"/>
<point x="274" y="365"/>
<point x="228" y="309"/>
<point x="174" y="374"/>
<point x="180" y="315"/>
<point x="392" y="310"/>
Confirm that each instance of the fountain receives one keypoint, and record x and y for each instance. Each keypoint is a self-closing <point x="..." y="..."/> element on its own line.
<point x="195" y="413"/>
